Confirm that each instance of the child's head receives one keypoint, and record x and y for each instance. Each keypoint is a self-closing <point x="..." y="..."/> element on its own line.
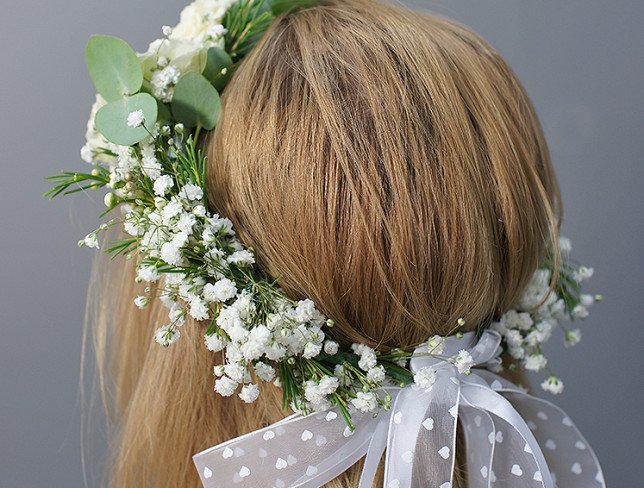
<point x="385" y="163"/>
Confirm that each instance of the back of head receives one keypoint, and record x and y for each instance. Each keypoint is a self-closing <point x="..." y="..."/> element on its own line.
<point x="383" y="162"/>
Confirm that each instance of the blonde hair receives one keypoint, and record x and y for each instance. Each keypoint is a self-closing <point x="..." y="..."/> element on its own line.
<point x="387" y="164"/>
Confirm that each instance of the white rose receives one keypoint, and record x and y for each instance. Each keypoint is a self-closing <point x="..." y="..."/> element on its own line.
<point x="198" y="18"/>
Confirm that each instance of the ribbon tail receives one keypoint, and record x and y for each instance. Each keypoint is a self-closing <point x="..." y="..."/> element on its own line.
<point x="484" y="398"/>
<point x="374" y="453"/>
<point x="300" y="451"/>
<point x="422" y="435"/>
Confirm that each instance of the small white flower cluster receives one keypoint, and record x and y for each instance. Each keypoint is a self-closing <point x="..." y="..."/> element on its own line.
<point x="289" y="331"/>
<point x="528" y="325"/>
<point x="426" y="377"/>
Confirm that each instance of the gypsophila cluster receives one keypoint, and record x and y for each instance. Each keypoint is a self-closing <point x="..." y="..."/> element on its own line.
<point x="541" y="310"/>
<point x="142" y="141"/>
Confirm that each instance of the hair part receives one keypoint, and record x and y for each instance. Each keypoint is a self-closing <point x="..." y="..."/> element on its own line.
<point x="387" y="164"/>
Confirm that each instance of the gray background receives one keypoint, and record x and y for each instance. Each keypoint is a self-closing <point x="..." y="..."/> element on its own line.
<point x="581" y="61"/>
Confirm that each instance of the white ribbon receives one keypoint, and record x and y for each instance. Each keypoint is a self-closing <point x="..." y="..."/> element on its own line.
<point x="512" y="438"/>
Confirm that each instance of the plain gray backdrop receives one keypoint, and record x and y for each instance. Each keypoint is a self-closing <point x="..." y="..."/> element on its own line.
<point x="582" y="64"/>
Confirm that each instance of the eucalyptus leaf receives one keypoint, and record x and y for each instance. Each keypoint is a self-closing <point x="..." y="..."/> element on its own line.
<point x="112" y="119"/>
<point x="113" y="66"/>
<point x="217" y="60"/>
<point x="164" y="116"/>
<point x="196" y="102"/>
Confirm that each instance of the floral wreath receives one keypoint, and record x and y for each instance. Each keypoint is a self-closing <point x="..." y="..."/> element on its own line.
<point x="149" y="111"/>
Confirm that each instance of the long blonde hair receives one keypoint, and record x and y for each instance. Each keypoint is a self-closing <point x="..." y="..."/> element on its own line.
<point x="384" y="162"/>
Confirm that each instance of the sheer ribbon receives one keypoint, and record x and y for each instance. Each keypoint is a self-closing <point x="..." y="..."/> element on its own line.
<point x="513" y="439"/>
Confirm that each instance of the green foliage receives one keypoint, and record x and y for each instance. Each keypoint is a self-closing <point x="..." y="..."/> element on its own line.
<point x="68" y="182"/>
<point x="280" y="6"/>
<point x="113" y="66"/>
<point x="218" y="67"/>
<point x="246" y="21"/>
<point x="196" y="102"/>
<point x="111" y="120"/>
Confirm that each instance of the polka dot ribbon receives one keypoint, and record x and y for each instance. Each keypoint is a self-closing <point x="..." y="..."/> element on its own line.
<point x="513" y="439"/>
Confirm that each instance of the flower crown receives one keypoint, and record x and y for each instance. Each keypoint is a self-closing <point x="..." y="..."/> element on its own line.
<point x="141" y="140"/>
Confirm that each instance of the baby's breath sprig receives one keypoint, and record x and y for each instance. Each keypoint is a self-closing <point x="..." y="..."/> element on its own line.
<point x="539" y="311"/>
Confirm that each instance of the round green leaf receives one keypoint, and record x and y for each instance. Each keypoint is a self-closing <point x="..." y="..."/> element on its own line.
<point x="112" y="119"/>
<point x="196" y="102"/>
<point x="113" y="66"/>
<point x="217" y="60"/>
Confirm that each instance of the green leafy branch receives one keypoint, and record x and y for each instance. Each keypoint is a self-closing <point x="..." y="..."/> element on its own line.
<point x="68" y="182"/>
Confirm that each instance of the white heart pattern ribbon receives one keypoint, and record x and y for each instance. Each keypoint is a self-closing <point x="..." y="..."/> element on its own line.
<point x="513" y="439"/>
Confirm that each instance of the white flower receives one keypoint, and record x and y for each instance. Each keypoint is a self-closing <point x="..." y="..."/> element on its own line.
<point x="225" y="386"/>
<point x="177" y="315"/>
<point x="425" y="377"/>
<point x="163" y="82"/>
<point x="275" y="351"/>
<point x="87" y="153"/>
<point x="513" y="338"/>
<point x="163" y="184"/>
<point x="199" y="211"/>
<point x="171" y="254"/>
<point x="166" y="335"/>
<point x="304" y="311"/>
<point x="264" y="371"/>
<point x="316" y="393"/>
<point x="365" y="401"/>
<point x="377" y="374"/>
<point x="311" y="349"/>
<point x="553" y="384"/>
<point x="463" y="361"/>
<point x="516" y="320"/>
<point x="535" y="362"/>
<point x="241" y="258"/>
<point x="235" y="371"/>
<point x="198" y="18"/>
<point x="136" y="118"/>
<point x="544" y="330"/>
<point x="436" y="345"/>
<point x="586" y="300"/>
<point x="249" y="393"/>
<point x="199" y="310"/>
<point x="148" y="273"/>
<point x="565" y="246"/>
<point x="255" y="344"/>
<point x="214" y="342"/>
<point x="331" y="347"/>
<point x="91" y="241"/>
<point x="583" y="273"/>
<point x="167" y="30"/>
<point x="219" y="370"/>
<point x="141" y="301"/>
<point x="572" y="337"/>
<point x="186" y="223"/>
<point x="221" y="291"/>
<point x="368" y="358"/>
<point x="191" y="192"/>
<point x="579" y="312"/>
<point x="217" y="31"/>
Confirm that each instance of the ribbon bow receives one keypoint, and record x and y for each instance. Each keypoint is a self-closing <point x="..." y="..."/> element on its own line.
<point x="513" y="439"/>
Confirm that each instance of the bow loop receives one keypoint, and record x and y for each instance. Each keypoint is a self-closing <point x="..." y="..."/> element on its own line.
<point x="512" y="438"/>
